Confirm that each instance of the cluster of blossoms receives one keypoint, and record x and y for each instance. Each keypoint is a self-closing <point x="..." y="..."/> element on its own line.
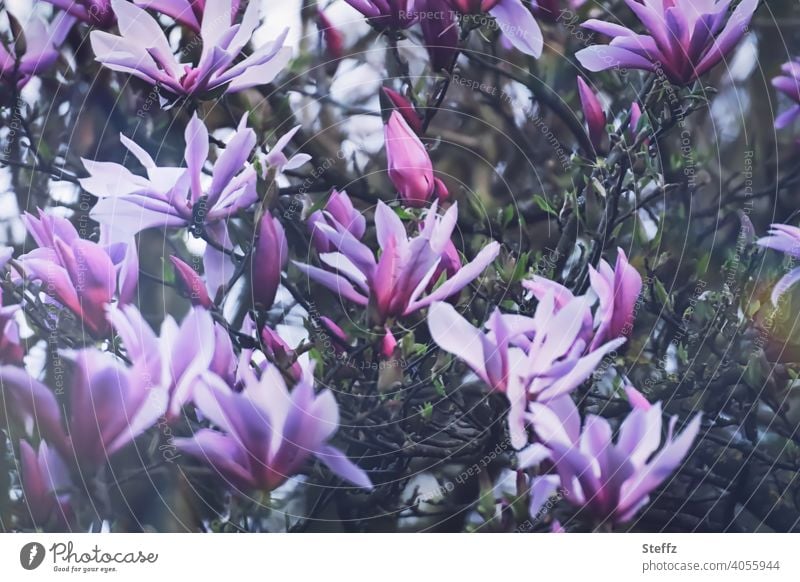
<point x="248" y="395"/>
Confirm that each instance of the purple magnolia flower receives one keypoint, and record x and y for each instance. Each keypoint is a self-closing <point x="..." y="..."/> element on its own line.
<point x="684" y="39"/>
<point x="612" y="480"/>
<point x="340" y="215"/>
<point x="45" y="484"/>
<point x="110" y="403"/>
<point x="269" y="257"/>
<point x="94" y="12"/>
<point x="789" y="84"/>
<point x="143" y="51"/>
<point x="514" y="19"/>
<point x="279" y="353"/>
<point x="617" y="290"/>
<point x="786" y="239"/>
<point x="181" y="369"/>
<point x="82" y="275"/>
<point x="268" y="432"/>
<point x="393" y="285"/>
<point x="41" y="42"/>
<point x="180" y="197"/>
<point x="192" y="284"/>
<point x="440" y="34"/>
<point x="410" y="167"/>
<point x="593" y="113"/>
<point x="187" y="12"/>
<point x="387" y="14"/>
<point x="531" y="359"/>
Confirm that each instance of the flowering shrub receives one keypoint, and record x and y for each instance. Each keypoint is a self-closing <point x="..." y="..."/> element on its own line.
<point x="453" y="265"/>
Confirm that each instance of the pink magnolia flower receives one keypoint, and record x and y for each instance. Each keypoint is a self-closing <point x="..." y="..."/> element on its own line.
<point x="393" y="285"/>
<point x="143" y="51"/>
<point x="788" y="83"/>
<point x="82" y="275"/>
<point x="45" y="484"/>
<point x="187" y="12"/>
<point x="612" y="480"/>
<point x="514" y="19"/>
<point x="387" y="14"/>
<point x="94" y="12"/>
<point x="410" y="167"/>
<point x="268" y="432"/>
<point x="785" y="239"/>
<point x="192" y="283"/>
<point x="340" y="215"/>
<point x="181" y="369"/>
<point x="41" y="42"/>
<point x="593" y="113"/>
<point x="406" y="109"/>
<point x="110" y="403"/>
<point x="530" y="359"/>
<point x="684" y="39"/>
<point x="269" y="257"/>
<point x="180" y="197"/>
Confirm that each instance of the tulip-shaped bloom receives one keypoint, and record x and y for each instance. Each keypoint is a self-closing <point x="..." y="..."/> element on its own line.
<point x="340" y="215"/>
<point x="387" y="14"/>
<point x="593" y="113"/>
<point x="786" y="239"/>
<point x="181" y="369"/>
<point x="110" y="403"/>
<point x="81" y="275"/>
<point x="618" y="291"/>
<point x="191" y="284"/>
<point x="94" y="12"/>
<point x="41" y="44"/>
<point x="439" y="34"/>
<point x="45" y="484"/>
<point x="536" y="359"/>
<point x="143" y="51"/>
<point x="180" y="197"/>
<point x="187" y="12"/>
<point x="611" y="480"/>
<point x="514" y="19"/>
<point x="684" y="39"/>
<point x="410" y="167"/>
<point x="393" y="285"/>
<point x="268" y="432"/>
<point x="789" y="84"/>
<point x="269" y="257"/>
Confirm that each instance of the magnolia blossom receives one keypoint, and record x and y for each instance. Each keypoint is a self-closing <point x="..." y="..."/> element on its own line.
<point x="405" y="108"/>
<point x="514" y="19"/>
<point x="45" y="484"/>
<point x="143" y="51"/>
<point x="192" y="284"/>
<point x="338" y="214"/>
<point x="410" y="167"/>
<point x="94" y="12"/>
<point x="593" y="113"/>
<point x="187" y="12"/>
<point x="41" y="42"/>
<point x="530" y="359"/>
<point x="387" y="14"/>
<point x="440" y="34"/>
<point x="181" y="369"/>
<point x="616" y="291"/>
<point x="270" y="255"/>
<point x="393" y="285"/>
<point x="110" y="403"/>
<point x="786" y="239"/>
<point x="268" y="432"/>
<point x="789" y="84"/>
<point x="82" y="275"/>
<point x="612" y="480"/>
<point x="180" y="196"/>
<point x="685" y="38"/>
